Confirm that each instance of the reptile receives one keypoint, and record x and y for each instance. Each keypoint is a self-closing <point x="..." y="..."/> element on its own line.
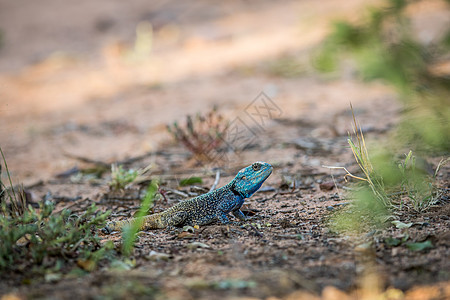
<point x="209" y="207"/>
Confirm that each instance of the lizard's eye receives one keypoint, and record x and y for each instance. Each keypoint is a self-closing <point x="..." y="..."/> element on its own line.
<point x="256" y="167"/>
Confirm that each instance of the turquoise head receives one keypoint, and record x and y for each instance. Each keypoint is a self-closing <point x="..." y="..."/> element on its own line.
<point x="250" y="179"/>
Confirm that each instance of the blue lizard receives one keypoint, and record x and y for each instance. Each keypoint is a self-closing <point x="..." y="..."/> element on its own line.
<point x="207" y="208"/>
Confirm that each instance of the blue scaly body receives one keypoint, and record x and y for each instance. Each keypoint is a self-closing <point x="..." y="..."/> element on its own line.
<point x="207" y="208"/>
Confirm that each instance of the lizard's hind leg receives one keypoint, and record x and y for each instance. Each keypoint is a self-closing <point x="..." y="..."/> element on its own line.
<point x="177" y="219"/>
<point x="205" y="220"/>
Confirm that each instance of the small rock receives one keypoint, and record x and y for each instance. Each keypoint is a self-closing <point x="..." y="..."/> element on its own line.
<point x="395" y="251"/>
<point x="125" y="265"/>
<point x="401" y="225"/>
<point x="196" y="245"/>
<point x="327" y="186"/>
<point x="157" y="256"/>
<point x="330" y="208"/>
<point x="53" y="277"/>
<point x="364" y="248"/>
<point x="189" y="229"/>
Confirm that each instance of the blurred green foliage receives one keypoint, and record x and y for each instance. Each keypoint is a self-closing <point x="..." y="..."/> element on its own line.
<point x="365" y="213"/>
<point x="129" y="232"/>
<point x="386" y="184"/>
<point x="385" y="47"/>
<point x="45" y="239"/>
<point x="190" y="181"/>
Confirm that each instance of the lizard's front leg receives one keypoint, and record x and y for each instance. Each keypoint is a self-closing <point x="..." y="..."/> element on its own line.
<point x="223" y="218"/>
<point x="238" y="214"/>
<point x="232" y="203"/>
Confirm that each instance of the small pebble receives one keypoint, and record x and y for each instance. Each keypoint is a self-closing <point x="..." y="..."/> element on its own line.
<point x="327" y="186"/>
<point x="157" y="256"/>
<point x="196" y="245"/>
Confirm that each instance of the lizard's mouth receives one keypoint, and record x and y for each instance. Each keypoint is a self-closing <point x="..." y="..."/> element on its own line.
<point x="264" y="174"/>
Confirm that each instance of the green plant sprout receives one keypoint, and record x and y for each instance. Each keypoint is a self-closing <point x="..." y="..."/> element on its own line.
<point x="121" y="178"/>
<point x="382" y="183"/>
<point x="419" y="187"/>
<point x="385" y="47"/>
<point x="42" y="237"/>
<point x="129" y="232"/>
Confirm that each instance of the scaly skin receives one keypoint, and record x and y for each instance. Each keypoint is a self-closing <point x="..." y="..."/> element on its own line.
<point x="207" y="208"/>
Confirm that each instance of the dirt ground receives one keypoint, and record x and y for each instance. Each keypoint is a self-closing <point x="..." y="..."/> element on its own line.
<point x="101" y="81"/>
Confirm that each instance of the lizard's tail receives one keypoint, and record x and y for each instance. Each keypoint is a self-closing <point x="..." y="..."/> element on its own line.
<point x="153" y="221"/>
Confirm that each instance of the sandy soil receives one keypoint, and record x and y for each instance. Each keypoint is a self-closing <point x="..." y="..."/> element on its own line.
<point x="77" y="81"/>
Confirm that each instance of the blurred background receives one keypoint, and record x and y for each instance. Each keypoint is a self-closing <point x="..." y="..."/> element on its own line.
<point x="97" y="98"/>
<point x="101" y="79"/>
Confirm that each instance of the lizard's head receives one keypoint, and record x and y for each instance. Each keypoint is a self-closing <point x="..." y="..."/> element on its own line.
<point x="250" y="179"/>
